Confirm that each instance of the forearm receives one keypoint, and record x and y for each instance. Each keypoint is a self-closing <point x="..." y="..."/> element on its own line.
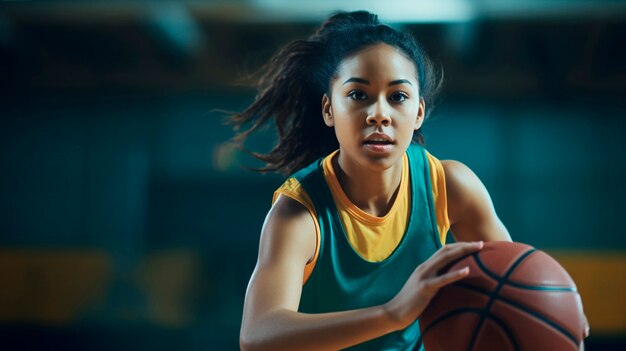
<point x="289" y="330"/>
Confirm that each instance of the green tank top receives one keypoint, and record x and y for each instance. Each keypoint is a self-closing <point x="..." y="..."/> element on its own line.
<point x="343" y="280"/>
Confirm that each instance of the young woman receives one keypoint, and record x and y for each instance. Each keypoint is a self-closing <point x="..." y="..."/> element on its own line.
<point x="351" y="249"/>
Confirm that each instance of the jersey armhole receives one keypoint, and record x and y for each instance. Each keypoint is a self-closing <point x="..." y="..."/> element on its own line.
<point x="303" y="198"/>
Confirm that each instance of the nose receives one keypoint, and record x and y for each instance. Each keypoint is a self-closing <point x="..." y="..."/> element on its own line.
<point x="378" y="114"/>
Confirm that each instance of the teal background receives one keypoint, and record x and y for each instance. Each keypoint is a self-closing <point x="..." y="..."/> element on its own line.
<point x="111" y="141"/>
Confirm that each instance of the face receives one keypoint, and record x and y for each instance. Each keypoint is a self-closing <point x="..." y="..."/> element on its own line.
<point x="374" y="107"/>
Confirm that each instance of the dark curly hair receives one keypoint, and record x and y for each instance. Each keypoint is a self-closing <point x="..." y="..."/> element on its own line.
<point x="293" y="82"/>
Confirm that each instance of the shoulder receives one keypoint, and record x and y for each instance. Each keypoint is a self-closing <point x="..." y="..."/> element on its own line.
<point x="293" y="189"/>
<point x="288" y="209"/>
<point x="459" y="176"/>
<point x="288" y="232"/>
<point x="470" y="208"/>
<point x="464" y="188"/>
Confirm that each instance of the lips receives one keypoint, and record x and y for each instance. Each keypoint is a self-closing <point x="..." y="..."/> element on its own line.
<point x="378" y="139"/>
<point x="378" y="143"/>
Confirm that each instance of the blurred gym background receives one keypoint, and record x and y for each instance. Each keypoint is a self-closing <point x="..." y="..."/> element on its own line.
<point x="128" y="222"/>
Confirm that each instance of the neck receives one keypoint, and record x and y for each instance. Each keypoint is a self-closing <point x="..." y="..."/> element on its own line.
<point x="373" y="191"/>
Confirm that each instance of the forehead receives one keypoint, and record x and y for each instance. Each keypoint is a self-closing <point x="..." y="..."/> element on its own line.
<point x="378" y="62"/>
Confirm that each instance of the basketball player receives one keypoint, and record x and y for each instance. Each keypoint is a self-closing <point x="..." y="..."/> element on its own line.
<point x="351" y="249"/>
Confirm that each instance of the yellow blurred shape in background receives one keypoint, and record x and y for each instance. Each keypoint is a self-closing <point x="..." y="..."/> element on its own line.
<point x="57" y="286"/>
<point x="51" y="286"/>
<point x="601" y="281"/>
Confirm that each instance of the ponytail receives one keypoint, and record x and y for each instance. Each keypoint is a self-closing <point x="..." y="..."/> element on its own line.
<point x="289" y="99"/>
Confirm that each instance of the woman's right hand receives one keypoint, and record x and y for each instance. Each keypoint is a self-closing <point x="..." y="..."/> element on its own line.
<point x="426" y="281"/>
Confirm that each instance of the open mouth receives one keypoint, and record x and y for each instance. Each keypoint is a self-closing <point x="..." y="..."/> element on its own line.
<point x="378" y="139"/>
<point x="378" y="142"/>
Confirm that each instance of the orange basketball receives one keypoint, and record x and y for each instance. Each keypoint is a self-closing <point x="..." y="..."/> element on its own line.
<point x="515" y="298"/>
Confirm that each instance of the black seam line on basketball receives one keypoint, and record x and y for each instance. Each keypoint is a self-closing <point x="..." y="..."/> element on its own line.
<point x="541" y="287"/>
<point x="448" y="315"/>
<point x="495" y="293"/>
<point x="522" y="308"/>
<point x="471" y="310"/>
<point x="506" y="330"/>
<point x="482" y="266"/>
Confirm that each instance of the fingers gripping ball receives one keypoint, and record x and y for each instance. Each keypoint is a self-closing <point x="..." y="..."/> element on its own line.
<point x="515" y="298"/>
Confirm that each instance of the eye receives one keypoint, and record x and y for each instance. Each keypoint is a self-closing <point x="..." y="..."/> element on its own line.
<point x="357" y="95"/>
<point x="399" y="96"/>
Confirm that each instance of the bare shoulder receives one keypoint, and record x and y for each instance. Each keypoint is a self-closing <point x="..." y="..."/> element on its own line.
<point x="287" y="242"/>
<point x="458" y="172"/>
<point x="286" y="208"/>
<point x="470" y="208"/>
<point x="462" y="184"/>
<point x="288" y="232"/>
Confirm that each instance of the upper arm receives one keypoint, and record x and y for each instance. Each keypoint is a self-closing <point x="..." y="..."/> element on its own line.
<point x="287" y="243"/>
<point x="470" y="209"/>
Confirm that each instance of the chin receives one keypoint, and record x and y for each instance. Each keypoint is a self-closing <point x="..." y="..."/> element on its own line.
<point x="381" y="163"/>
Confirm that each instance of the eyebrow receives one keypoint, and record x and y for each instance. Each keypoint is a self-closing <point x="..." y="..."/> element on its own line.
<point x="367" y="82"/>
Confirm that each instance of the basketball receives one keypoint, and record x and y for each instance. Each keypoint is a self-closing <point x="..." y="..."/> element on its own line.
<point x="515" y="298"/>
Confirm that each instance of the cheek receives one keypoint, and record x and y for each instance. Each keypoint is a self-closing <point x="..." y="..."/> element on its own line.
<point x="346" y="125"/>
<point x="411" y="108"/>
<point x="347" y="114"/>
<point x="409" y="114"/>
<point x="341" y="105"/>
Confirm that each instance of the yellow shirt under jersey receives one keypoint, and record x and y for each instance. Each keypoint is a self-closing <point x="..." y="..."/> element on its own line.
<point x="373" y="238"/>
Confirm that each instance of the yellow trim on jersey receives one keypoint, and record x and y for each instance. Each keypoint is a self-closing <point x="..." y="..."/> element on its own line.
<point x="373" y="238"/>
<point x="440" y="196"/>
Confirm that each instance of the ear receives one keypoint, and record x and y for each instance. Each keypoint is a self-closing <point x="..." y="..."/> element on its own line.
<point x="421" y="113"/>
<point x="327" y="111"/>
